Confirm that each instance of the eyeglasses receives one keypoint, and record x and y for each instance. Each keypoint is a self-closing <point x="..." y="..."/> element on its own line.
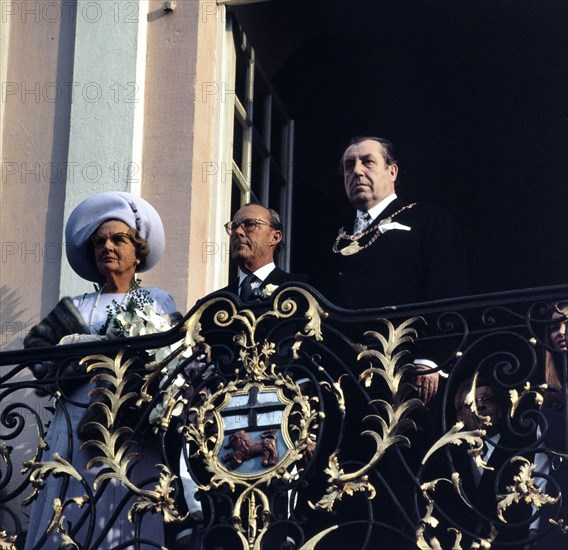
<point x="249" y="225"/>
<point x="483" y="401"/>
<point x="117" y="239"/>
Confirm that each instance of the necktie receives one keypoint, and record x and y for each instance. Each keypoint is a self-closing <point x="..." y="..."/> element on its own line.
<point x="246" y="287"/>
<point x="361" y="222"/>
<point x="478" y="471"/>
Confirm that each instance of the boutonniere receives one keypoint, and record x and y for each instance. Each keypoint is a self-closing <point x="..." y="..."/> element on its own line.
<point x="268" y="290"/>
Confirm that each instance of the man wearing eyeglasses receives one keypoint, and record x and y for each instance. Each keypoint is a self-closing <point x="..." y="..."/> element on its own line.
<point x="485" y="407"/>
<point x="256" y="240"/>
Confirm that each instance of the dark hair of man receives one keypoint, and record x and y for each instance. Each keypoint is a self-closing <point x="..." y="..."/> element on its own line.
<point x="276" y="224"/>
<point x="465" y="386"/>
<point x="387" y="149"/>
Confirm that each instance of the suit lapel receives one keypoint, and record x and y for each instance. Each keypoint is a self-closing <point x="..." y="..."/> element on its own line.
<point x="391" y="208"/>
<point x="274" y="278"/>
<point x="233" y="286"/>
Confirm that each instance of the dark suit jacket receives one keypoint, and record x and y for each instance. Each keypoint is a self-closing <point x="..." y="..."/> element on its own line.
<point x="483" y="496"/>
<point x="400" y="267"/>
<point x="276" y="277"/>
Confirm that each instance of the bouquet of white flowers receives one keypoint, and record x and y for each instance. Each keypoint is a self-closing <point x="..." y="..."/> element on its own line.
<point x="134" y="317"/>
<point x="138" y="317"/>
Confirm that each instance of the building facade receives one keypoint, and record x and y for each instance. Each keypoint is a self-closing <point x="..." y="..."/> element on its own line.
<point x="200" y="106"/>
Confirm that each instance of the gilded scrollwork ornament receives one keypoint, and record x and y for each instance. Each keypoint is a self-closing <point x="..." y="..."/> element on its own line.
<point x="523" y="489"/>
<point x="288" y="421"/>
<point x="258" y="426"/>
<point x="7" y="542"/>
<point x="393" y="421"/>
<point x="116" y="449"/>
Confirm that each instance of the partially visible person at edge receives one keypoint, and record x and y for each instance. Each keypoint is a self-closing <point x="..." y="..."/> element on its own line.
<point x="109" y="238"/>
<point x="255" y="242"/>
<point x="555" y="438"/>
<point x="481" y="486"/>
<point x="394" y="252"/>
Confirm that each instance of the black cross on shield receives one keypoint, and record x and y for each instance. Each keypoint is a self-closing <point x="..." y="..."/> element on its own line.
<point x="255" y="410"/>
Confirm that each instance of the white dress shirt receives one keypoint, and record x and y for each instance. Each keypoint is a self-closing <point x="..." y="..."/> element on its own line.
<point x="377" y="210"/>
<point x="261" y="274"/>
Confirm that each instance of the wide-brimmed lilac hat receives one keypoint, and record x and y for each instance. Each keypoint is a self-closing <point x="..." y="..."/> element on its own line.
<point x="111" y="205"/>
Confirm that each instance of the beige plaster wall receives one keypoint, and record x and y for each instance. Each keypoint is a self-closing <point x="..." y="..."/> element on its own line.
<point x="177" y="140"/>
<point x="37" y="56"/>
<point x="35" y="130"/>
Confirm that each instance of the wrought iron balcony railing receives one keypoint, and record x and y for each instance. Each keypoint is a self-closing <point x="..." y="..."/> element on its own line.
<point x="290" y="423"/>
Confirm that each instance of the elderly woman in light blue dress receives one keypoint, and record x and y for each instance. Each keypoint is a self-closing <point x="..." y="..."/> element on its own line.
<point x="109" y="238"/>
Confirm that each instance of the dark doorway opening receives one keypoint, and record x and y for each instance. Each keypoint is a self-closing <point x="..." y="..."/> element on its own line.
<point x="474" y="95"/>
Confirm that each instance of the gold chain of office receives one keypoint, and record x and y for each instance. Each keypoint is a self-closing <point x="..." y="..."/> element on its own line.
<point x="354" y="247"/>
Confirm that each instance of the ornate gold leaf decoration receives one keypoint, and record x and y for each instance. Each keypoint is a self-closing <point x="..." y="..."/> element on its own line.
<point x="342" y="484"/>
<point x="154" y="369"/>
<point x="428" y="489"/>
<point x="314" y="315"/>
<point x="282" y="308"/>
<point x="40" y="470"/>
<point x="335" y="389"/>
<point x="390" y="429"/>
<point x="485" y="544"/>
<point x="193" y="327"/>
<point x="259" y="376"/>
<point x="36" y="479"/>
<point x="428" y="520"/>
<point x="57" y="524"/>
<point x="162" y="501"/>
<point x="115" y="448"/>
<point x="7" y="542"/>
<point x="456" y="436"/>
<point x="434" y="543"/>
<point x="528" y="392"/>
<point x="253" y="529"/>
<point x="524" y="489"/>
<point x="390" y="371"/>
<point x="171" y="396"/>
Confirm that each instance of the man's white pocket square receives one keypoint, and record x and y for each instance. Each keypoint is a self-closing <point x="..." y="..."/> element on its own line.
<point x="384" y="227"/>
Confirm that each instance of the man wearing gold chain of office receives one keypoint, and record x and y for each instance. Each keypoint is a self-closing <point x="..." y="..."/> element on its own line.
<point x="393" y="252"/>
